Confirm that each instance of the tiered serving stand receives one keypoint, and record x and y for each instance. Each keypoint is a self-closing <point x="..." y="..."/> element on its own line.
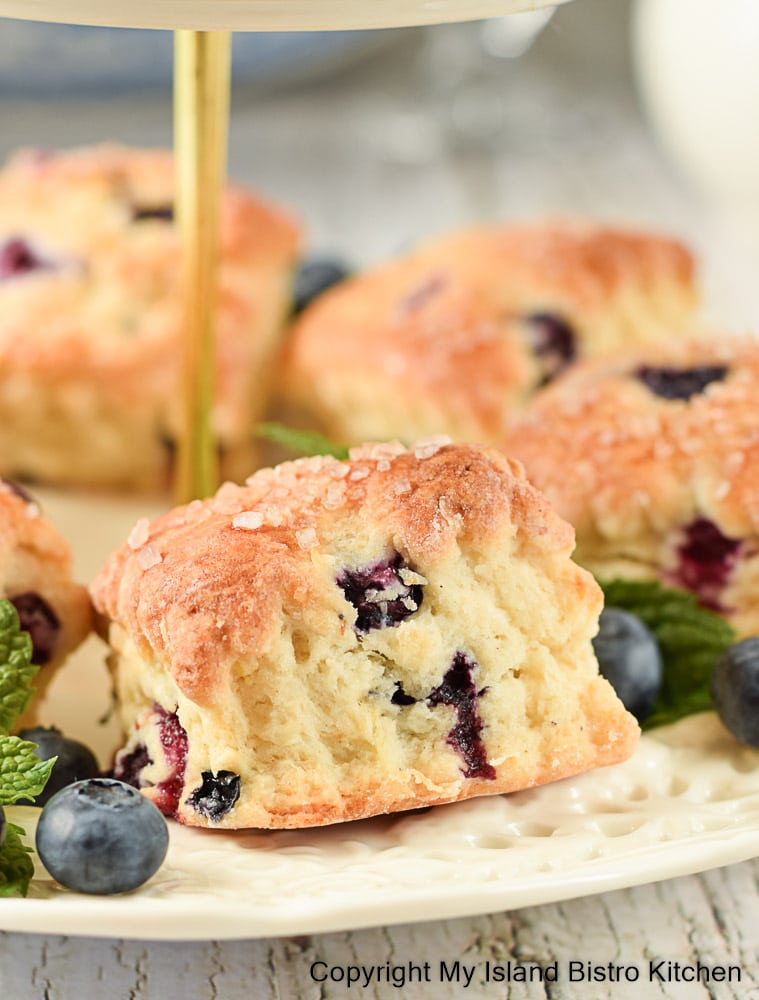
<point x="202" y="81"/>
<point x="687" y="802"/>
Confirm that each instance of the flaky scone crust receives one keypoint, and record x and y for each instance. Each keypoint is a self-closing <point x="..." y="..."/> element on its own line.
<point x="247" y="578"/>
<point x="198" y="603"/>
<point x="98" y="335"/>
<point x="434" y="342"/>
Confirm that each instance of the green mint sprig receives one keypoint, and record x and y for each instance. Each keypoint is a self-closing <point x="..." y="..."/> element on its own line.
<point x="301" y="442"/>
<point x="16" y="667"/>
<point x="690" y="639"/>
<point x="16" y="865"/>
<point x="22" y="774"/>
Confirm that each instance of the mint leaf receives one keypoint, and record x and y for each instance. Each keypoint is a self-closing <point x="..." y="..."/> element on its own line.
<point x="16" y="667"/>
<point x="301" y="442"/>
<point x="22" y="773"/>
<point x="690" y="639"/>
<point x="16" y="865"/>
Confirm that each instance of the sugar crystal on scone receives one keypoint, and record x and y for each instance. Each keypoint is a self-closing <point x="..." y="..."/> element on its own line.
<point x="340" y="639"/>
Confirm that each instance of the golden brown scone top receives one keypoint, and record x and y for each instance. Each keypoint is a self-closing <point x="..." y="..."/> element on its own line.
<point x="620" y="461"/>
<point x="111" y="297"/>
<point x="442" y="331"/>
<point x="25" y="533"/>
<point x="207" y="583"/>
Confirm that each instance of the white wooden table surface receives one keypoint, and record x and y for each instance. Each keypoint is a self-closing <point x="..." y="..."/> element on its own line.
<point x="427" y="134"/>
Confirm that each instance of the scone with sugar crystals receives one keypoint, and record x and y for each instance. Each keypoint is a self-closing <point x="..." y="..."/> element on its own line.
<point x="339" y="639"/>
<point x="36" y="577"/>
<point x="459" y="333"/>
<point x="653" y="455"/>
<point x="91" y="317"/>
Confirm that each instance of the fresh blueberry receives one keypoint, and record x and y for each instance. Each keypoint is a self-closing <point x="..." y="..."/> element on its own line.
<point x="629" y="658"/>
<point x="459" y="690"/>
<point x="735" y="690"/>
<point x="680" y="383"/>
<point x="101" y="836"/>
<point x="3" y="826"/>
<point x="74" y="761"/>
<point x="379" y="595"/>
<point x="313" y="277"/>
<point x="706" y="558"/>
<point x="216" y="795"/>
<point x="41" y="622"/>
<point x="552" y="341"/>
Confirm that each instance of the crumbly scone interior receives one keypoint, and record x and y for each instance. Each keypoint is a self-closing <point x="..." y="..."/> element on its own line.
<point x="308" y="717"/>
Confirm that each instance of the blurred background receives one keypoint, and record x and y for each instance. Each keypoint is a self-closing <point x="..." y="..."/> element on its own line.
<point x="606" y="108"/>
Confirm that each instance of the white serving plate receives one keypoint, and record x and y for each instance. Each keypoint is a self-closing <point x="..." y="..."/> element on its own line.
<point x="263" y="15"/>
<point x="687" y="801"/>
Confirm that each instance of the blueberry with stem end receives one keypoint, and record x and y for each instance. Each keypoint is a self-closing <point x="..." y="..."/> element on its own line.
<point x="629" y="658"/>
<point x="101" y="837"/>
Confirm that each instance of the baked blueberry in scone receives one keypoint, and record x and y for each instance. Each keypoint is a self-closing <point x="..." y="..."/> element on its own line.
<point x="36" y="577"/>
<point x="340" y="639"/>
<point x="91" y="317"/>
<point x="653" y="455"/>
<point x="459" y="333"/>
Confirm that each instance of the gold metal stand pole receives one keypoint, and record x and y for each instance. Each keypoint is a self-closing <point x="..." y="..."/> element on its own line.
<point x="201" y="116"/>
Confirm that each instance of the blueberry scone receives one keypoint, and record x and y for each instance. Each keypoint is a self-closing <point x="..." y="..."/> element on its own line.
<point x="339" y="639"/>
<point x="461" y="332"/>
<point x="90" y="317"/>
<point x="653" y="456"/>
<point x="36" y="577"/>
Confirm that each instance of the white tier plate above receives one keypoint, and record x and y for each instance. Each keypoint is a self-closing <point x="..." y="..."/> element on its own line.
<point x="263" y="15"/>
